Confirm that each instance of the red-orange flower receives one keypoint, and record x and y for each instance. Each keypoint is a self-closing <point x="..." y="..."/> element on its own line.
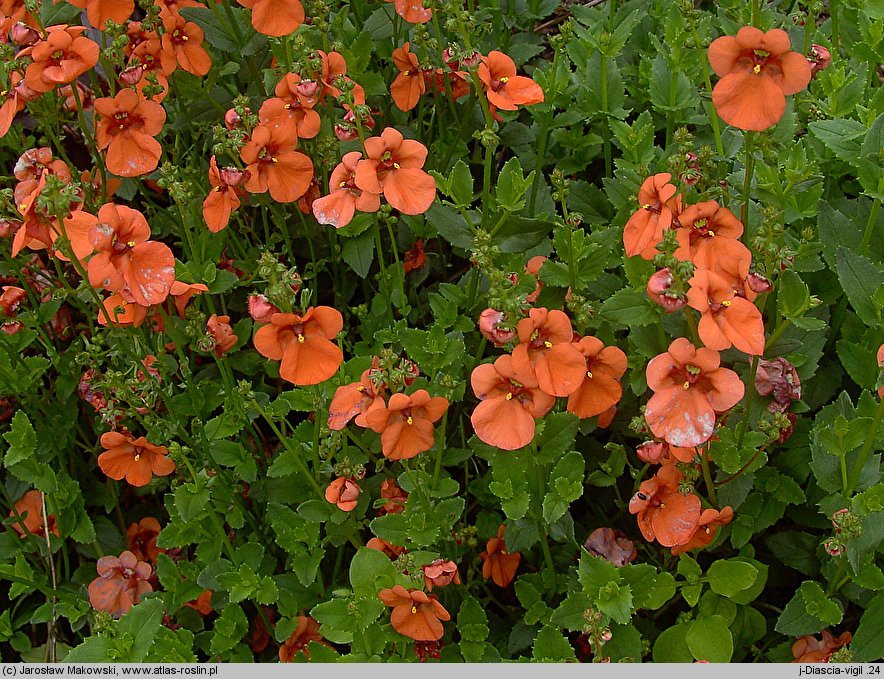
<point x="690" y="388"/>
<point x="14" y="100"/>
<point x="725" y="319"/>
<point x="142" y="539"/>
<point x="413" y="11"/>
<point x="664" y="513"/>
<point x="99" y="11"/>
<point x="499" y="565"/>
<point x="306" y="631"/>
<point x="659" y="204"/>
<point x="352" y="400"/>
<point x="809" y="649"/>
<point x="293" y="104"/>
<point x="395" y="496"/>
<point x="379" y="545"/>
<point x="409" y="85"/>
<point x="303" y="344"/>
<point x="344" y="198"/>
<point x="127" y="125"/>
<point x="202" y="604"/>
<point x="30" y="508"/>
<point x="120" y="583"/>
<point x="274" y="165"/>
<point x="708" y="236"/>
<point x="393" y="167"/>
<point x="344" y="493"/>
<point x="275" y="18"/>
<point x="504" y="89"/>
<point x="61" y="58"/>
<point x="184" y="39"/>
<point x="601" y="386"/>
<point x="510" y="403"/>
<point x="125" y="260"/>
<point x="415" y="614"/>
<point x="708" y="525"/>
<point x="757" y="71"/>
<point x="136" y="460"/>
<point x="880" y="358"/>
<point x="547" y="351"/>
<point x="440" y="573"/>
<point x="219" y="328"/>
<point x="406" y="423"/>
<point x="223" y="199"/>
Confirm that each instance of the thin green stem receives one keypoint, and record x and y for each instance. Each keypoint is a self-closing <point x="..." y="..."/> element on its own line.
<point x="747" y="183"/>
<point x="870" y="227"/>
<point x="866" y="451"/>
<point x="707" y="476"/>
<point x="296" y="457"/>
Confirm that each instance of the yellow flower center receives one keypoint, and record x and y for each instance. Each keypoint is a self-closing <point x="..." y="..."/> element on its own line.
<point x="300" y="338"/>
<point x="395" y="166"/>
<point x="413" y="610"/>
<point x="589" y="374"/>
<point x="137" y="456"/>
<point x="504" y="80"/>
<point x="131" y="244"/>
<point x="409" y="420"/>
<point x="726" y="303"/>
<point x="686" y="385"/>
<point x="547" y="344"/>
<point x="756" y="69"/>
<point x="509" y="396"/>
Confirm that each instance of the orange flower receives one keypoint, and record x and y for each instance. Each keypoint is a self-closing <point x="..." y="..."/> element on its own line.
<point x="757" y="71"/>
<point x="395" y="495"/>
<point x="274" y="165"/>
<point x="353" y="400"/>
<point x="510" y="402"/>
<point x="393" y="167"/>
<point x="184" y="39"/>
<point x="14" y="100"/>
<point x="708" y="236"/>
<point x="611" y="545"/>
<point x="293" y="104"/>
<point x="880" y="358"/>
<point x="334" y="66"/>
<point x="710" y="520"/>
<point x="202" y="604"/>
<point x="690" y="388"/>
<point x="505" y="89"/>
<point x="30" y="508"/>
<point x="379" y="545"/>
<point x="415" y="613"/>
<point x="344" y="198"/>
<point x="135" y="459"/>
<point x="413" y="11"/>
<point x="61" y="58"/>
<point x="409" y="85"/>
<point x="440" y="573"/>
<point x="493" y="327"/>
<point x="725" y="319"/>
<point x="664" y="513"/>
<point x="306" y="631"/>
<point x="120" y="313"/>
<point x="127" y="262"/>
<point x="659" y="204"/>
<point x="533" y="267"/>
<point x="406" y="423"/>
<point x="414" y="258"/>
<point x="223" y="199"/>
<point x="219" y="328"/>
<point x="275" y="18"/>
<point x="809" y="649"/>
<point x="126" y="127"/>
<point x="546" y="350"/>
<point x="303" y="344"/>
<point x="344" y="493"/>
<point x="499" y="565"/>
<point x="142" y="539"/>
<point x="601" y="387"/>
<point x="99" y="11"/>
<point x="120" y="583"/>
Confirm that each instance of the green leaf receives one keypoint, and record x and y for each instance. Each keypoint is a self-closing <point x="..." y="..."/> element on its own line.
<point x="551" y="646"/>
<point x="358" y="252"/>
<point x="570" y="612"/>
<point x="142" y="622"/>
<point x="520" y="234"/>
<point x="371" y="571"/>
<point x="616" y="601"/>
<point x="512" y="185"/>
<point x="840" y="136"/>
<point x="628" y="308"/>
<point x="229" y="629"/>
<point x="710" y="639"/>
<point x="450" y="225"/>
<point x="727" y="577"/>
<point x="870" y="174"/>
<point x="190" y="501"/>
<point x="859" y="278"/>
<point x="95" y="649"/>
<point x="671" y="645"/>
<point x="472" y="623"/>
<point x="795" y="621"/>
<point x="337" y="620"/>
<point x="559" y="430"/>
<point x="460" y="183"/>
<point x="818" y="604"/>
<point x="868" y="642"/>
<point x="21" y="438"/>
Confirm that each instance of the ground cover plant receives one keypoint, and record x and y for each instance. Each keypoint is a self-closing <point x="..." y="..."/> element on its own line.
<point x="414" y="332"/>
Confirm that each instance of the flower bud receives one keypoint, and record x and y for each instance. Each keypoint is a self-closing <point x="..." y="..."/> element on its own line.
<point x="307" y="88"/>
<point x="471" y="60"/>
<point x="10" y="299"/>
<point x="261" y="309"/>
<point x="132" y="75"/>
<point x="819" y="58"/>
<point x="489" y="326"/>
<point x="12" y="328"/>
<point x="758" y="283"/>
<point x="232" y="119"/>
<point x="8" y="227"/>
<point x="233" y="176"/>
<point x="23" y="35"/>
<point x="834" y="547"/>
<point x="651" y="452"/>
<point x="345" y="132"/>
<point x="658" y="289"/>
